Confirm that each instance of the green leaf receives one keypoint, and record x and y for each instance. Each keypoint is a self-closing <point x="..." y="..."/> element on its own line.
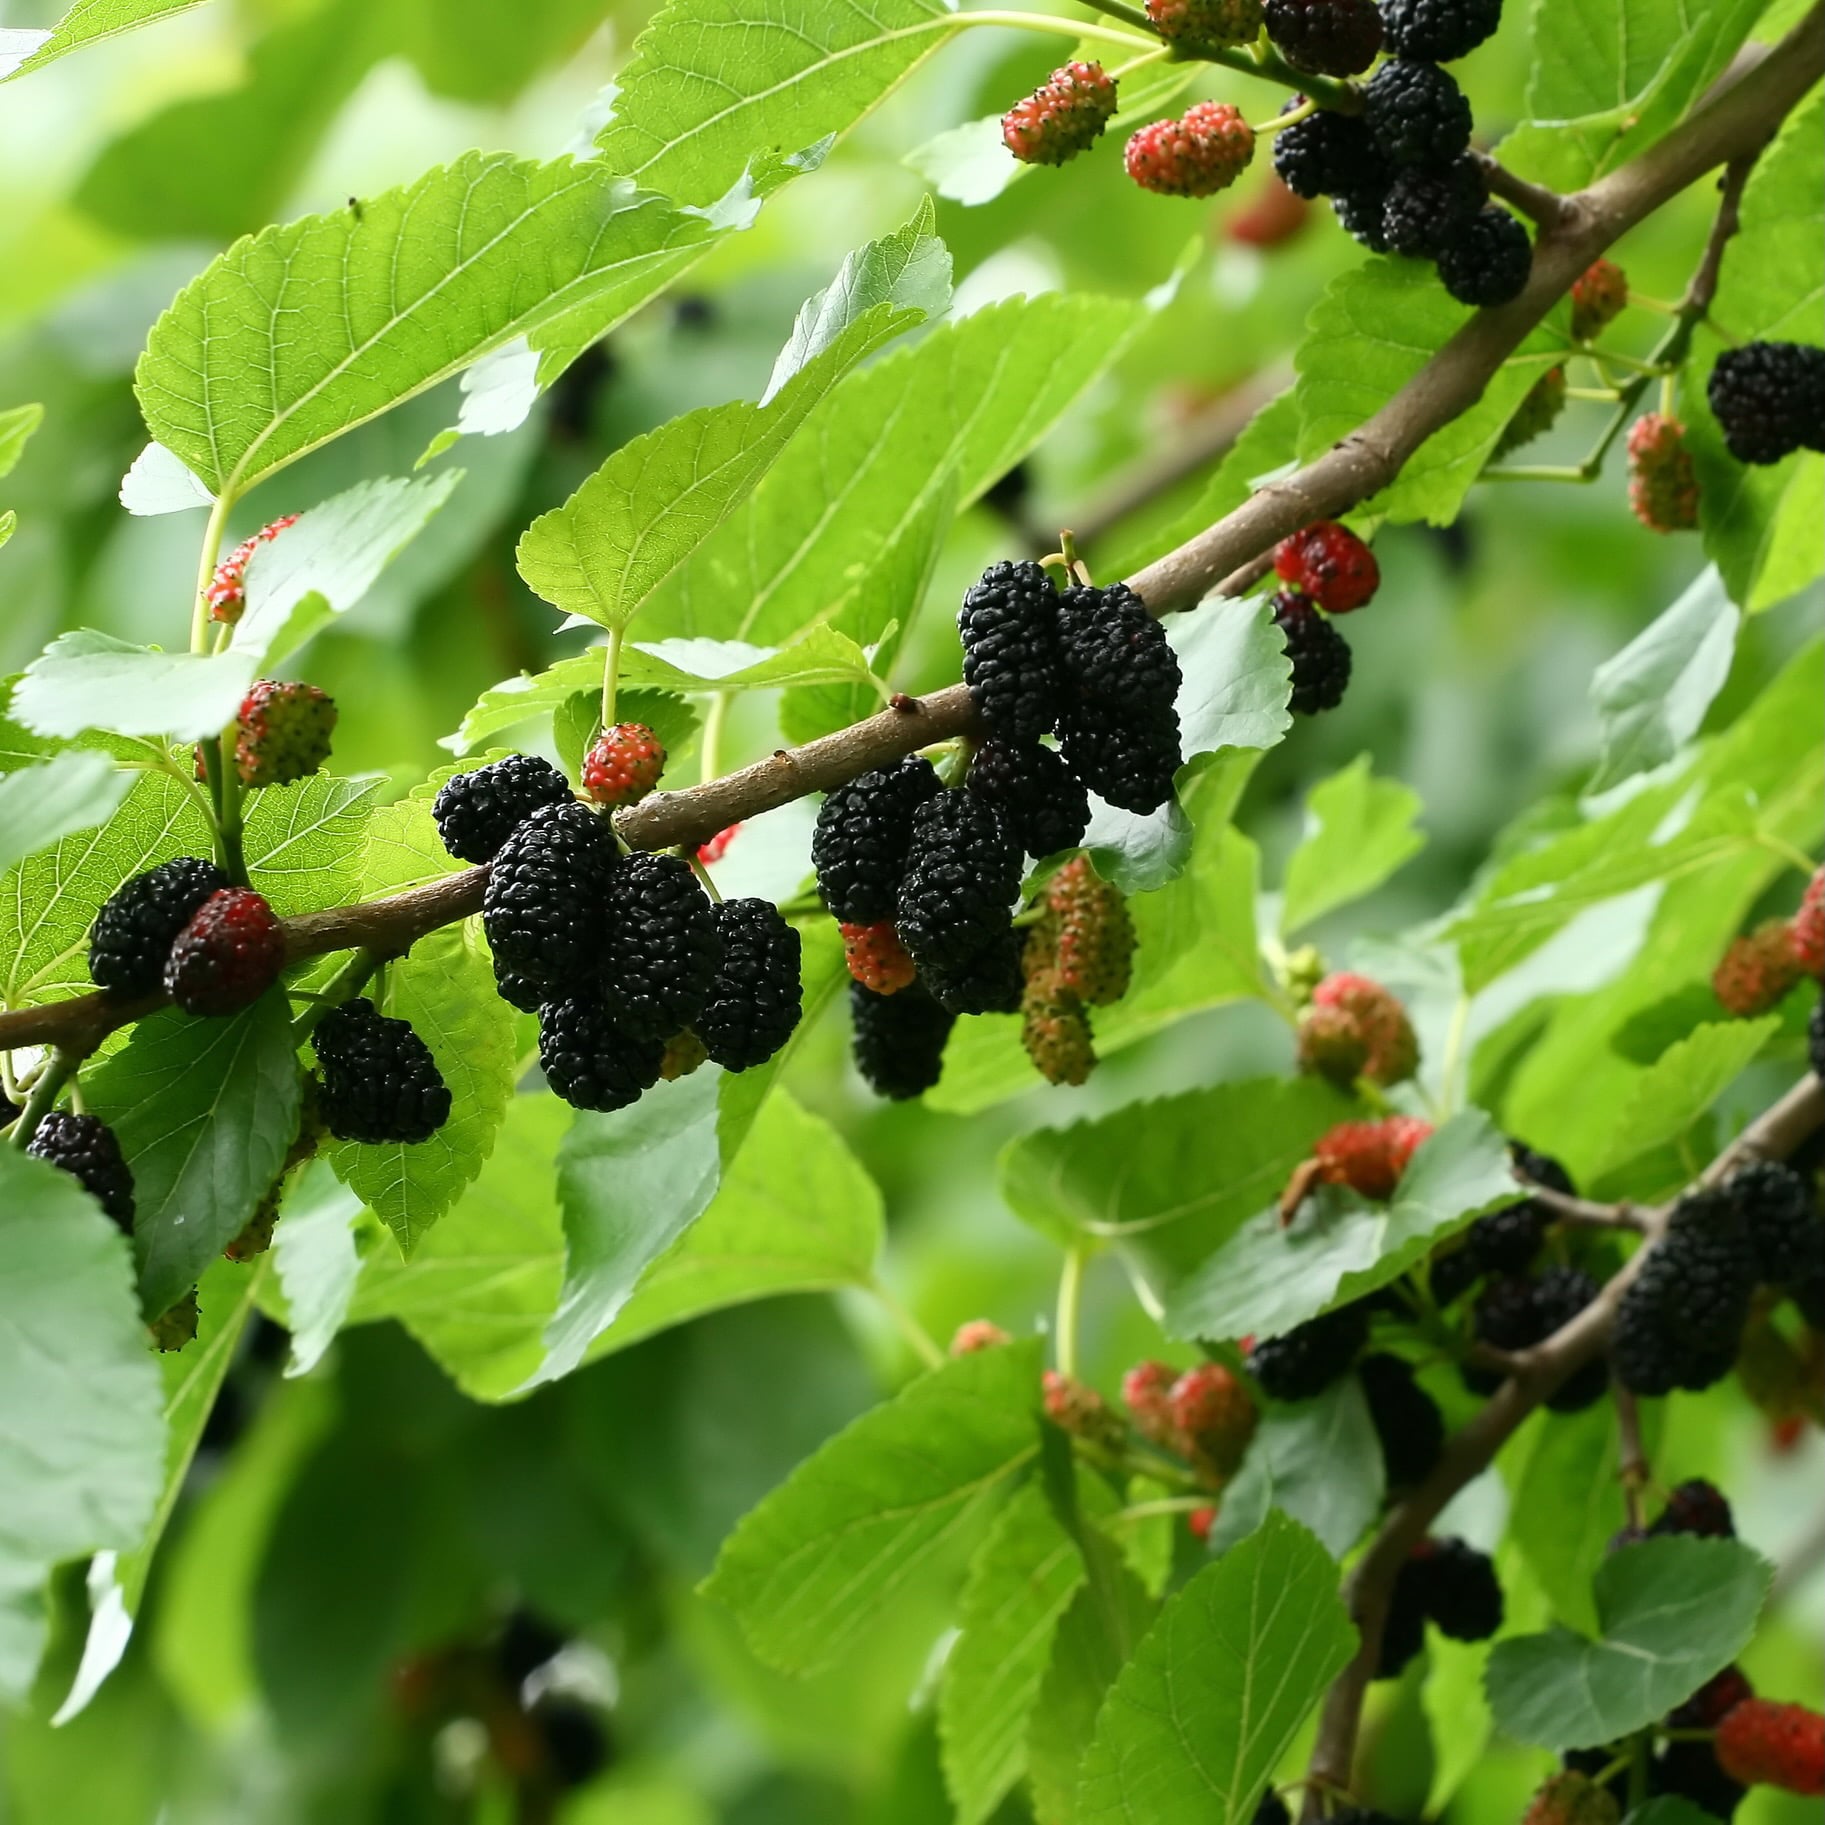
<point x="1266" y="1278"/>
<point x="1760" y="523"/>
<point x="82" y="1450"/>
<point x="1652" y="696"/>
<point x="1021" y="1581"/>
<point x="1317" y="1462"/>
<point x="1457" y="1715"/>
<point x="411" y="287"/>
<point x="810" y="1568"/>
<point x="709" y="82"/>
<point x="950" y="413"/>
<point x="658" y="497"/>
<point x="87" y="22"/>
<point x="1669" y="1809"/>
<point x="1359" y="830"/>
<point x="1147" y="1178"/>
<point x="88" y="680"/>
<point x="304" y="843"/>
<point x="318" y="1265"/>
<point x="205" y="1111"/>
<point x="40" y="806"/>
<point x="1236" y="677"/>
<point x="1197" y="1722"/>
<point x="17" y="423"/>
<point x="820" y="656"/>
<point x="1673" y="1611"/>
<point x="1680" y="1086"/>
<point x="9" y="520"/>
<point x="1373" y="330"/>
<point x="445" y="987"/>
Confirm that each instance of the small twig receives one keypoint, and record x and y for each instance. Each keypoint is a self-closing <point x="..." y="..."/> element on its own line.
<point x="923" y="1344"/>
<point x="1632" y="1461"/>
<point x="1584" y="1211"/>
<point x="57" y="1071"/>
<point x="1547" y="207"/>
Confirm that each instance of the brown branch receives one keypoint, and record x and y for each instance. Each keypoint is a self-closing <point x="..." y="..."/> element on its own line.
<point x="1583" y="1212"/>
<point x="1535" y="201"/>
<point x="1731" y="126"/>
<point x="1632" y="1457"/>
<point x="1537" y="1373"/>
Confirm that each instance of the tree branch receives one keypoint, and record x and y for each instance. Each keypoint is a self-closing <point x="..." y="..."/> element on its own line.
<point x="1537" y="1373"/>
<point x="1731" y="126"/>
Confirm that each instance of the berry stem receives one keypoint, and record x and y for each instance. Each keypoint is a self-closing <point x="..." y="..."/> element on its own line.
<point x="715" y="720"/>
<point x="57" y="1071"/>
<point x="1575" y="473"/>
<point x="1165" y="1505"/>
<point x="1638" y="1771"/>
<point x="347" y="982"/>
<point x="1156" y="55"/>
<point x="611" y="675"/>
<point x="1632" y="1461"/>
<point x="1789" y="853"/>
<point x="230" y="800"/>
<point x="1304" y="111"/>
<point x="1118" y="9"/>
<point x="1269" y="66"/>
<point x="205" y="570"/>
<point x="1070" y="1301"/>
<point x="924" y="1345"/>
<point x="703" y="874"/>
<point x="1040" y="22"/>
<point x="1597" y="395"/>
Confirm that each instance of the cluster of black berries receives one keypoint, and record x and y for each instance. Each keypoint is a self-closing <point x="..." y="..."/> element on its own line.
<point x="1400" y="174"/>
<point x="924" y="880"/>
<point x="1681" y="1320"/>
<point x="634" y="973"/>
<point x="1769" y="399"/>
<point x="1447" y="1583"/>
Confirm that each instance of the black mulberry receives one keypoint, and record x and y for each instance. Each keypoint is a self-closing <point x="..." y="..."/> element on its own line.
<point x="1769" y="399"/>
<point x="589" y="1061"/>
<point x="1311" y="1356"/>
<point x="754" y="1002"/>
<point x="139" y="922"/>
<point x="1681" y="1320"/>
<point x="1328" y="37"/>
<point x="543" y="906"/>
<point x="1696" y="1507"/>
<point x="1462" y="1594"/>
<point x="990" y="982"/>
<point x="1033" y="788"/>
<point x="661" y="948"/>
<point x="1407" y="1419"/>
<point x="1439" y="31"/>
<point x="380" y="1082"/>
<point x="859" y="845"/>
<point x="899" y="1039"/>
<point x="84" y="1146"/>
<point x="1127" y="759"/>
<point x="1417" y="113"/>
<point x="477" y="812"/>
<point x="962" y="874"/>
<point x="1427" y="205"/>
<point x="1320" y="656"/>
<point x="1115" y="653"/>
<point x="1326" y="152"/>
<point x="1786" y="1234"/>
<point x="1009" y="628"/>
<point x="1560" y="1294"/>
<point x="1487" y="261"/>
<point x="1361" y="211"/>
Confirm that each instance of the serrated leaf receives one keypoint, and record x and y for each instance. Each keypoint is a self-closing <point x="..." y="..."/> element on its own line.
<point x="708" y="83"/>
<point x="1373" y="330"/>
<point x="1266" y="1278"/>
<point x="1673" y="1611"/>
<point x="40" y="806"/>
<point x="304" y="843"/>
<point x="820" y="656"/>
<point x="317" y="1261"/>
<point x="86" y="23"/>
<point x="1652" y="696"/>
<point x="407" y="289"/>
<point x="1236" y="676"/>
<point x="205" y="1111"/>
<point x="90" y="680"/>
<point x="1147" y="1177"/>
<point x="1359" y="830"/>
<point x="811" y="1567"/>
<point x="1679" y="1087"/>
<point x="17" y="423"/>
<point x="1316" y="1461"/>
<point x="82" y="1450"/>
<point x="1197" y="1722"/>
<point x="658" y="497"/>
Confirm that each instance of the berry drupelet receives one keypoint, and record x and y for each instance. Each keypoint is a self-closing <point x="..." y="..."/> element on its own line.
<point x="139" y="922"/>
<point x="876" y="958"/>
<point x="1663" y="483"/>
<point x="962" y="875"/>
<point x="1406" y="1418"/>
<point x="379" y="1081"/>
<point x="1327" y="153"/>
<point x="589" y="1061"/>
<point x="1488" y="260"/>
<point x="1427" y="205"/>
<point x="1311" y="1356"/>
<point x="1786" y="1233"/>
<point x="989" y="981"/>
<point x="282" y="733"/>
<point x="476" y="812"/>
<point x="1681" y="1319"/>
<point x="1205" y="25"/>
<point x="1439" y="31"/>
<point x="1327" y="37"/>
<point x="1417" y="113"/>
<point x="1114" y="651"/>
<point x="623" y="764"/>
<point x="1127" y="758"/>
<point x="1203" y="152"/>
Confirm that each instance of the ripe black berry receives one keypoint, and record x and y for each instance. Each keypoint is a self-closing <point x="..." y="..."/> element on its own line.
<point x="1407" y="1419"/>
<point x="1560" y="1294"/>
<point x="1452" y="1275"/>
<point x="1403" y="1629"/>
<point x="380" y="1082"/>
<point x="962" y="874"/>
<point x="84" y="1146"/>
<point x="1769" y="399"/>
<point x="1320" y="655"/>
<point x="1463" y="1597"/>
<point x="575" y="1740"/>
<point x="1361" y="208"/>
<point x="1328" y="37"/>
<point x="1697" y="1507"/>
<point x="899" y="1039"/>
<point x="1271" y="1809"/>
<point x="1009" y="628"/>
<point x="661" y="949"/>
<point x="1487" y="261"/>
<point x="990" y="982"/>
<point x="859" y="846"/>
<point x="1326" y="153"/>
<point x="522" y="992"/>
<point x="1426" y="205"/>
<point x="1311" y="1356"/>
<point x="1506" y="1241"/>
<point x="1126" y="758"/>
<point x="1043" y="801"/>
<point x="1690" y="1771"/>
<point x="754" y="1001"/>
<point x="1681" y="1320"/>
<point x="477" y="812"/>
<point x="139" y="922"/>
<point x="1417" y="113"/>
<point x="1439" y="31"/>
<point x="1786" y="1234"/>
<point x="588" y="1060"/>
<point x="543" y="906"/>
<point x="1115" y="653"/>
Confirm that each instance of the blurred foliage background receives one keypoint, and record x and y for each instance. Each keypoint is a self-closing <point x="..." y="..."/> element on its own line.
<point x="341" y="1526"/>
